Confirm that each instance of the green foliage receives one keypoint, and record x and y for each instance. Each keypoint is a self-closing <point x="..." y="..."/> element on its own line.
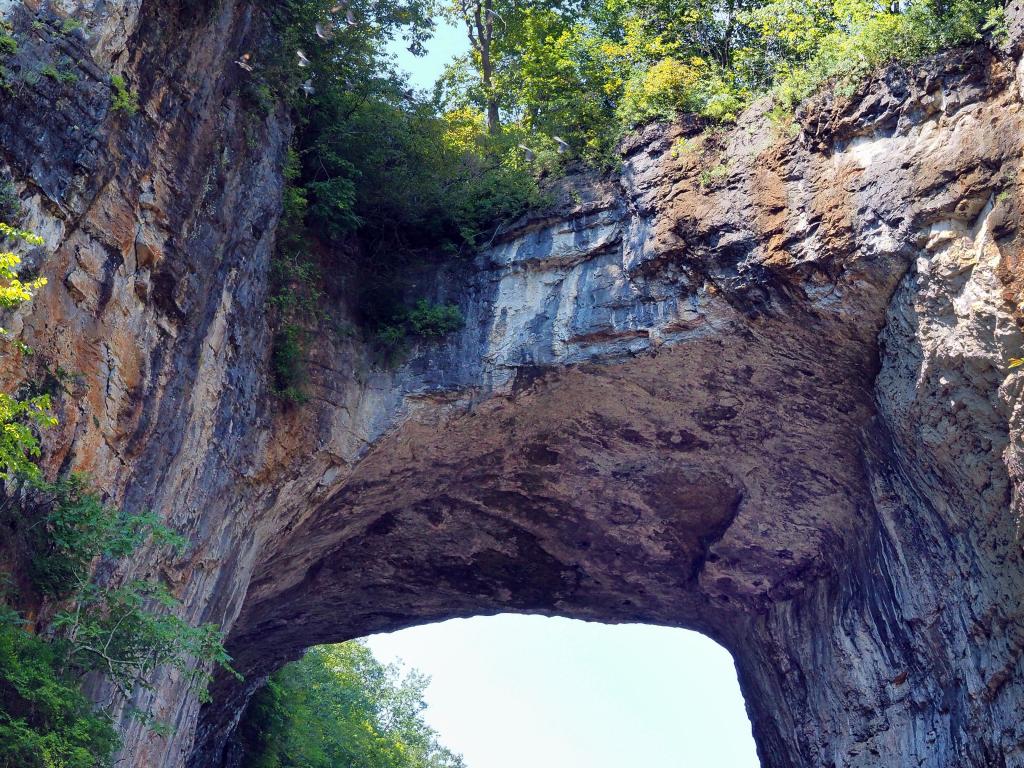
<point x="128" y="632"/>
<point x="64" y="76"/>
<point x="338" y="706"/>
<point x="853" y="37"/>
<point x="70" y="24"/>
<point x="45" y="721"/>
<point x="425" y="320"/>
<point x="8" y="45"/>
<point x="996" y="24"/>
<point x="287" y="354"/>
<point x="13" y="291"/>
<point x="20" y="415"/>
<point x="122" y="632"/>
<point x="591" y="70"/>
<point x="434" y="320"/>
<point x="19" y="444"/>
<point x="122" y="99"/>
<point x="79" y="528"/>
<point x="709" y="176"/>
<point x="373" y="158"/>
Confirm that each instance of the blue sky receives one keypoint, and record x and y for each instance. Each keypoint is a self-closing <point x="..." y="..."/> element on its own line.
<point x="512" y="691"/>
<point x="448" y="42"/>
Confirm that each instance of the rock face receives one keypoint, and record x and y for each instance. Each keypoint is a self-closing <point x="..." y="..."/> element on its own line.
<point x="758" y="384"/>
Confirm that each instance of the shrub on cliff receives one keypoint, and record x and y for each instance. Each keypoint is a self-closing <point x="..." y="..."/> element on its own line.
<point x="21" y="414"/>
<point x="843" y="43"/>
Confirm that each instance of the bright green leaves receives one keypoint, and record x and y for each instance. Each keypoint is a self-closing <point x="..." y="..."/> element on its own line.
<point x="122" y="99"/>
<point x="841" y="42"/>
<point x="19" y="445"/>
<point x="13" y="291"/>
<point x="20" y="417"/>
<point x="588" y="73"/>
<point x="338" y="706"/>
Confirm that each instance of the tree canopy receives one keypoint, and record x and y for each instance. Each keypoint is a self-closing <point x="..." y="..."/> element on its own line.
<point x="406" y="175"/>
<point x="338" y="707"/>
<point x="550" y="77"/>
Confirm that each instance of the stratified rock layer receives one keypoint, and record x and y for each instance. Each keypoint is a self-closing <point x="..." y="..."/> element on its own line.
<point x="757" y="384"/>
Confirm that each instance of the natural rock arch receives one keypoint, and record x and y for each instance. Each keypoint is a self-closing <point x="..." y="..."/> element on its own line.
<point x="776" y="409"/>
<point x="675" y="423"/>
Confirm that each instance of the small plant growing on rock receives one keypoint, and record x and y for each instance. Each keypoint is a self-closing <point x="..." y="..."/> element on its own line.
<point x="121" y="99"/>
<point x="14" y="292"/>
<point x="70" y="25"/>
<point x="63" y="76"/>
<point x="286" y="361"/>
<point x="8" y="45"/>
<point x="434" y="320"/>
<point x="680" y="147"/>
<point x="711" y="175"/>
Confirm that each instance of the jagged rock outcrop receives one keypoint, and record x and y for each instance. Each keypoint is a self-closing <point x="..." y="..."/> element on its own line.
<point x="756" y="384"/>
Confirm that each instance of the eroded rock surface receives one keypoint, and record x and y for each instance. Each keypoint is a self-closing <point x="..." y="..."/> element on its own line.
<point x="757" y="384"/>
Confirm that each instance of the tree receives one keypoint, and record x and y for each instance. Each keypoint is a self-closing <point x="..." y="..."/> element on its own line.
<point x="479" y="17"/>
<point x="338" y="707"/>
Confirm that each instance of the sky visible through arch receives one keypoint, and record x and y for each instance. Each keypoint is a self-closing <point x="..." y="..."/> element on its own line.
<point x="532" y="692"/>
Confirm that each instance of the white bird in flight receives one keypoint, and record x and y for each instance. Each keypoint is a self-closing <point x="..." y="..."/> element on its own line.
<point x="563" y="145"/>
<point x="303" y="61"/>
<point x="324" y="33"/>
<point x="528" y="153"/>
<point x="307" y="88"/>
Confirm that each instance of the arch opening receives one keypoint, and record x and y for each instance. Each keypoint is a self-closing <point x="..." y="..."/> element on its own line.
<point x="510" y="689"/>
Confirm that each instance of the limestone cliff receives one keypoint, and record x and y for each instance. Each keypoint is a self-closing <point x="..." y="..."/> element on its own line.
<point x="755" y="384"/>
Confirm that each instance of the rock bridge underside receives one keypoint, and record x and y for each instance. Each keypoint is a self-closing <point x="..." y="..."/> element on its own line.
<point x="774" y="405"/>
